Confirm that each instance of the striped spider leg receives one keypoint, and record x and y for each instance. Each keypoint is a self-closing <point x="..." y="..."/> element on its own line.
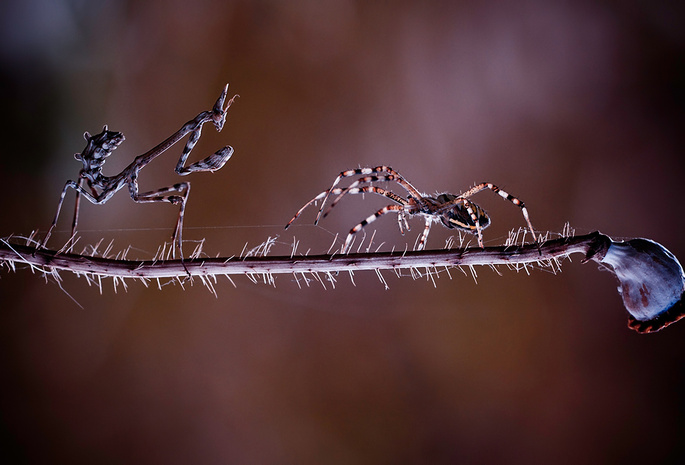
<point x="449" y="201"/>
<point x="339" y="192"/>
<point x="452" y="211"/>
<point x="101" y="188"/>
<point x="392" y="176"/>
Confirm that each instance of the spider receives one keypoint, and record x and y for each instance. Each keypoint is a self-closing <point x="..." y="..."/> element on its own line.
<point x="452" y="211"/>
<point x="101" y="146"/>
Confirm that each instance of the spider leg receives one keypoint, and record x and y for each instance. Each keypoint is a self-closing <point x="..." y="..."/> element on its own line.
<point x="402" y="220"/>
<point x="318" y="197"/>
<point x="356" y="190"/>
<point x="424" y="236"/>
<point x="367" y="171"/>
<point x="367" y="179"/>
<point x="339" y="192"/>
<point x="370" y="219"/>
<point x="160" y="195"/>
<point x="488" y="185"/>
<point x="363" y="190"/>
<point x="474" y="218"/>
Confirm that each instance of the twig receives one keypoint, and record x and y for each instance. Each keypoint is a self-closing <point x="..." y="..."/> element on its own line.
<point x="651" y="278"/>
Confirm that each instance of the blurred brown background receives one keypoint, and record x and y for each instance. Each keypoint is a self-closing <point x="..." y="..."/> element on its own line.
<point x="575" y="107"/>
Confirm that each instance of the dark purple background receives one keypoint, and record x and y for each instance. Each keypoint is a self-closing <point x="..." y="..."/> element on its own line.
<point x="575" y="107"/>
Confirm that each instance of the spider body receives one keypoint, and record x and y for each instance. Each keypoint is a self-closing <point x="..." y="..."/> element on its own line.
<point x="458" y="217"/>
<point x="101" y="188"/>
<point x="451" y="210"/>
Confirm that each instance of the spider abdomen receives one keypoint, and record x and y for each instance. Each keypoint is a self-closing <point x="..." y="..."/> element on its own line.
<point x="459" y="217"/>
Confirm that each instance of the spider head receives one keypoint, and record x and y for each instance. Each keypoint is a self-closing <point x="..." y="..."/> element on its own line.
<point x="99" y="147"/>
<point x="458" y="216"/>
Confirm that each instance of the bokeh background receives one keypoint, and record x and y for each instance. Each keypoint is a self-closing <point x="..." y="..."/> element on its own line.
<point x="575" y="107"/>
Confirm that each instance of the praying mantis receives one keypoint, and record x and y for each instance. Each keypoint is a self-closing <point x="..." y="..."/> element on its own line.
<point x="100" y="188"/>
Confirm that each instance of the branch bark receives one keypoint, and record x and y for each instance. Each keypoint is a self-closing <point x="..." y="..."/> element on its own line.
<point x="651" y="278"/>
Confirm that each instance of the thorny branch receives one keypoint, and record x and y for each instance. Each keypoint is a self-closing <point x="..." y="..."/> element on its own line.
<point x="651" y="278"/>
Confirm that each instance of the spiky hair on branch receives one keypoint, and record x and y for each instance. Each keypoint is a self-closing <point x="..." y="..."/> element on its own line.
<point x="652" y="282"/>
